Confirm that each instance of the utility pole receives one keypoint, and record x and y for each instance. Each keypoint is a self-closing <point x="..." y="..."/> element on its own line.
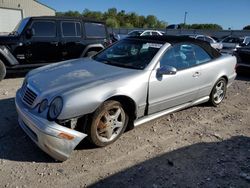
<point x="185" y="17"/>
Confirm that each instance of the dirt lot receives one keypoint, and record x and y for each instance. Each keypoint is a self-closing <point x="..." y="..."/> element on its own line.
<point x="201" y="146"/>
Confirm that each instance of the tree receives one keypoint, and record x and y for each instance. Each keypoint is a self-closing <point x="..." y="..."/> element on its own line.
<point x="151" y="21"/>
<point x="115" y="19"/>
<point x="246" y="27"/>
<point x="112" y="22"/>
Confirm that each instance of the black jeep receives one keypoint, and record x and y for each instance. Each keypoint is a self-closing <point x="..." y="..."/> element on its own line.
<point x="37" y="41"/>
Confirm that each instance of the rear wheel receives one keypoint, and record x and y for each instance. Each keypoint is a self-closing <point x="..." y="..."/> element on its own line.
<point x="2" y="70"/>
<point x="108" y="123"/>
<point x="219" y="91"/>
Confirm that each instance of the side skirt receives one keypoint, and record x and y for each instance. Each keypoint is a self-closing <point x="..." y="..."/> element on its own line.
<point x="151" y="117"/>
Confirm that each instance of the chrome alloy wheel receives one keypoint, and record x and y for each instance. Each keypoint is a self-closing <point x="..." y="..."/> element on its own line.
<point x="219" y="92"/>
<point x="110" y="124"/>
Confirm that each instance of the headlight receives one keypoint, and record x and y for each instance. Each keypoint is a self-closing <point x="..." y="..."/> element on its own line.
<point x="55" y="108"/>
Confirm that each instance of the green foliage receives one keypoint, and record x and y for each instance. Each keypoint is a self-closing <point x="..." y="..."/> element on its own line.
<point x="116" y="19"/>
<point x="246" y="27"/>
<point x="201" y="26"/>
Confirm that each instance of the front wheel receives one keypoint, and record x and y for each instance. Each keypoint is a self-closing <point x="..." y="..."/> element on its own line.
<point x="219" y="91"/>
<point x="108" y="123"/>
<point x="2" y="70"/>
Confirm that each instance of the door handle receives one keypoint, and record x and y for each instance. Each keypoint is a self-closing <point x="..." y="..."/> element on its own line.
<point x="196" y="74"/>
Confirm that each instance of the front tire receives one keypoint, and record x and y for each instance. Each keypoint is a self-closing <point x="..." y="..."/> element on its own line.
<point x="109" y="121"/>
<point x="2" y="70"/>
<point x="219" y="91"/>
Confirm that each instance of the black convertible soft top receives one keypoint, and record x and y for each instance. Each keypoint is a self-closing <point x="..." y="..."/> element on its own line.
<point x="179" y="39"/>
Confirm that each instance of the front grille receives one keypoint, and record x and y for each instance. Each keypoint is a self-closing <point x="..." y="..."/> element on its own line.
<point x="28" y="95"/>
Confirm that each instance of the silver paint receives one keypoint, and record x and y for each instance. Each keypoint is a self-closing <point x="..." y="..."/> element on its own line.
<point x="84" y="84"/>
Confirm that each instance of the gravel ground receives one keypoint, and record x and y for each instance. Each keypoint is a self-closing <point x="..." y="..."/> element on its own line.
<point x="201" y="146"/>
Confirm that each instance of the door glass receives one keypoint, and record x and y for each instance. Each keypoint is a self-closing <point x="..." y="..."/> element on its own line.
<point x="183" y="56"/>
<point x="44" y="28"/>
<point x="71" y="29"/>
<point x="208" y="40"/>
<point x="146" y="33"/>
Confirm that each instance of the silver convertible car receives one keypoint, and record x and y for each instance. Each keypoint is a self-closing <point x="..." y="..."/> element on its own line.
<point x="131" y="82"/>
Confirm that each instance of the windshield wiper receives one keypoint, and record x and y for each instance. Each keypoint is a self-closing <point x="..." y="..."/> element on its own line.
<point x="115" y="63"/>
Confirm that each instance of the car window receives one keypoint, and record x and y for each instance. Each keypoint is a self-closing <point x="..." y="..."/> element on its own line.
<point x="247" y="40"/>
<point x="146" y="33"/>
<point x="200" y="38"/>
<point x="71" y="29"/>
<point x="44" y="28"/>
<point x="134" y="33"/>
<point x="155" y="33"/>
<point x="201" y="55"/>
<point x="183" y="56"/>
<point x="208" y="39"/>
<point x="129" y="53"/>
<point x="95" y="30"/>
<point x="232" y="40"/>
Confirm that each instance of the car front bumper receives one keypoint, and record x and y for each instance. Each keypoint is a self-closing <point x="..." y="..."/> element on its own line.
<point x="54" y="139"/>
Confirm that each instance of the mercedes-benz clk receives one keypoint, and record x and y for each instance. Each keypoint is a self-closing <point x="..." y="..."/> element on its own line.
<point x="133" y="81"/>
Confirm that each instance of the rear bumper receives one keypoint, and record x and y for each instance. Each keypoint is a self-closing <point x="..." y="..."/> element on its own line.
<point x="54" y="139"/>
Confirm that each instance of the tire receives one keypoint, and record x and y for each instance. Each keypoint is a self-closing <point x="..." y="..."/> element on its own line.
<point x="218" y="92"/>
<point x="109" y="121"/>
<point x="2" y="70"/>
<point x="91" y="53"/>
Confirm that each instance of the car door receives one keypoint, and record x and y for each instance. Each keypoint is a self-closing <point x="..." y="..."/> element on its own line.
<point x="42" y="46"/>
<point x="166" y="91"/>
<point x="71" y="39"/>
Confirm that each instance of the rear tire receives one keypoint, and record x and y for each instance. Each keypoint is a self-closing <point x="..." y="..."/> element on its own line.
<point x="219" y="92"/>
<point x="2" y="70"/>
<point x="109" y="121"/>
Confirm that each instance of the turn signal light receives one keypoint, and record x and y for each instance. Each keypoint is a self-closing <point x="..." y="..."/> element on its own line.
<point x="66" y="136"/>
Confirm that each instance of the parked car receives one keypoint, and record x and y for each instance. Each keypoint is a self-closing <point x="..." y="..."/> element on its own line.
<point x="231" y="43"/>
<point x="243" y="57"/>
<point x="145" y="32"/>
<point x="38" y="41"/>
<point x="213" y="43"/>
<point x="135" y="80"/>
<point x="174" y="26"/>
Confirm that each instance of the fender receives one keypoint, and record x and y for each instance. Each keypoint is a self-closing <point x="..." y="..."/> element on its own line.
<point x="91" y="46"/>
<point x="8" y="56"/>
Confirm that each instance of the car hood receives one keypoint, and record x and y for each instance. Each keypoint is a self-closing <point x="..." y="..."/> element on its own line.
<point x="65" y="76"/>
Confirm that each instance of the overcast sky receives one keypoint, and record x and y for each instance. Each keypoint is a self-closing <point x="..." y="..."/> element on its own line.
<point x="227" y="13"/>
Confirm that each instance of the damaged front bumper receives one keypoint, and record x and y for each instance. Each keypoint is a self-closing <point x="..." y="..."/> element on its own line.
<point x="54" y="139"/>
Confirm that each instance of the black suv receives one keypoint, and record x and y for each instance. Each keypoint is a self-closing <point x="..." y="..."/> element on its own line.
<point x="37" y="41"/>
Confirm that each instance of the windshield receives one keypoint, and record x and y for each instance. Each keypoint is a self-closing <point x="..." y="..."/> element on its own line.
<point x="20" y="26"/>
<point x="129" y="53"/>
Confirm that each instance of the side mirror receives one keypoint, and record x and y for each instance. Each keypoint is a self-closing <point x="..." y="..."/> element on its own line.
<point x="166" y="70"/>
<point x="30" y="32"/>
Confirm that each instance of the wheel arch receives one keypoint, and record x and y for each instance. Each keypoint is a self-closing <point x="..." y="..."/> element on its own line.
<point x="92" y="47"/>
<point x="128" y="104"/>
